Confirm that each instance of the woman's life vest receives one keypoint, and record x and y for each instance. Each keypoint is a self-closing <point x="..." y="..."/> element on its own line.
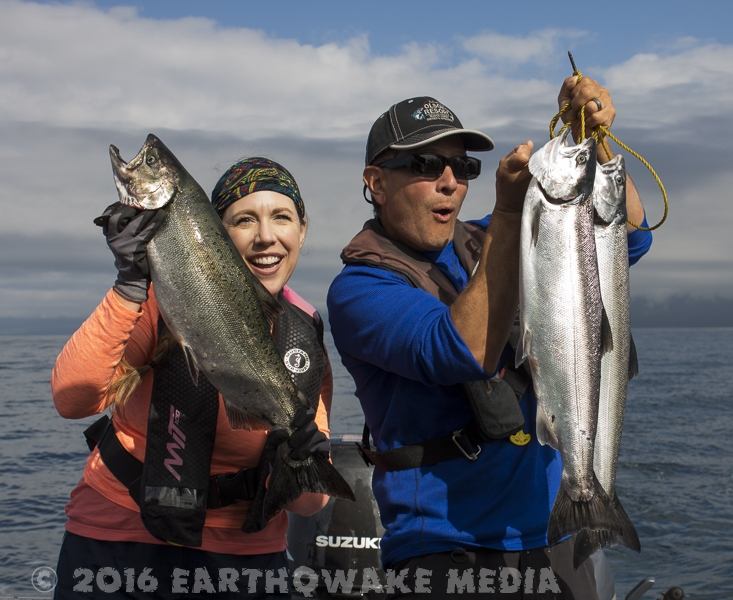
<point x="173" y="487"/>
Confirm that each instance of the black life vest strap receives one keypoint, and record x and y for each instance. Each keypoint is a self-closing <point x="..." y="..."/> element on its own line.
<point x="298" y="338"/>
<point x="224" y="489"/>
<point x="462" y="443"/>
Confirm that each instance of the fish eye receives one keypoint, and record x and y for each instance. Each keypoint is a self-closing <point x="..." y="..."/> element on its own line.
<point x="150" y="159"/>
<point x="619" y="179"/>
<point x="582" y="158"/>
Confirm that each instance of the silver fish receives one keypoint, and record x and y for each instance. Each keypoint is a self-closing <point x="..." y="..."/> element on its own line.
<point x="563" y="327"/>
<point x="619" y="363"/>
<point x="216" y="309"/>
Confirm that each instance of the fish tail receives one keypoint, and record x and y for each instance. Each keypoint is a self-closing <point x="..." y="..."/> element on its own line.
<point x="570" y="516"/>
<point x="289" y="479"/>
<point x="622" y="532"/>
<point x="627" y="535"/>
<point x="588" y="541"/>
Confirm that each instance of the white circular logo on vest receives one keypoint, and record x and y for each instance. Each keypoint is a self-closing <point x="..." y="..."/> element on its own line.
<point x="297" y="360"/>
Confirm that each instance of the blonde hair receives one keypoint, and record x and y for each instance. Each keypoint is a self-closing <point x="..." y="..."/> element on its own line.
<point x="129" y="377"/>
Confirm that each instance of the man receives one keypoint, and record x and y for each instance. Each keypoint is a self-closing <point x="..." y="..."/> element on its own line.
<point x="460" y="483"/>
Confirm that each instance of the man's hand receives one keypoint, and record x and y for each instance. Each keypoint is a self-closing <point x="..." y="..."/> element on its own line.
<point x="512" y="179"/>
<point x="599" y="108"/>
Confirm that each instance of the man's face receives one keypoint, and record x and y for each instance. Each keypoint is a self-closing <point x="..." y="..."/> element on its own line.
<point x="420" y="211"/>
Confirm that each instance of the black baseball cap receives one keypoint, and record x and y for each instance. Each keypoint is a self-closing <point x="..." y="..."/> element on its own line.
<point x="416" y="122"/>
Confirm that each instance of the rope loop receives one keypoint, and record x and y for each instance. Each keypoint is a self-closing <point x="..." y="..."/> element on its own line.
<point x="599" y="134"/>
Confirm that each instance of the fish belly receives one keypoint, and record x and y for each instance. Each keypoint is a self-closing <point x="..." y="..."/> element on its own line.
<point x="206" y="302"/>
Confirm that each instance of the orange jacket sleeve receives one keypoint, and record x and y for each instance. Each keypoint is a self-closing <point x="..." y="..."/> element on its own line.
<point x="89" y="360"/>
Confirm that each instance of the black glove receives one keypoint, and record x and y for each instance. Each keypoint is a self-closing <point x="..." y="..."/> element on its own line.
<point x="306" y="439"/>
<point x="128" y="231"/>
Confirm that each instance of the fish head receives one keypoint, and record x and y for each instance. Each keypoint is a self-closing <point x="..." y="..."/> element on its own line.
<point x="151" y="179"/>
<point x="609" y="191"/>
<point x="565" y="172"/>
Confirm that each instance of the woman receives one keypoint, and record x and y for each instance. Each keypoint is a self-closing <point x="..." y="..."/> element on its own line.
<point x="113" y="360"/>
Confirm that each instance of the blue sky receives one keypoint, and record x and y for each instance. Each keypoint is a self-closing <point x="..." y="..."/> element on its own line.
<point x="618" y="29"/>
<point x="303" y="81"/>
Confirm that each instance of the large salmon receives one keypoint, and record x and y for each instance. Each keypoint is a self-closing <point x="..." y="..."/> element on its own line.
<point x="216" y="309"/>
<point x="619" y="363"/>
<point x="563" y="327"/>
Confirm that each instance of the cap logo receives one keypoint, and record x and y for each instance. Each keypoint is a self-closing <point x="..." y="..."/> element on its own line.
<point x="432" y="111"/>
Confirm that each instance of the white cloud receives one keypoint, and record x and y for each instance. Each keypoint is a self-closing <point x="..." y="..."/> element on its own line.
<point x="505" y="50"/>
<point x="670" y="90"/>
<point x="699" y="223"/>
<point x="77" y="78"/>
<point x="79" y="66"/>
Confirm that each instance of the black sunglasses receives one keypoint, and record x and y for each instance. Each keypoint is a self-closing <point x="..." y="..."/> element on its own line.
<point x="433" y="165"/>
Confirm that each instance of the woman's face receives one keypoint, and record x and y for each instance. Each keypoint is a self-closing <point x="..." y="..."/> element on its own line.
<point x="266" y="230"/>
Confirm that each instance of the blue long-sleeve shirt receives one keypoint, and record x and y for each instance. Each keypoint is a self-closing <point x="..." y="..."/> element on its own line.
<point x="408" y="362"/>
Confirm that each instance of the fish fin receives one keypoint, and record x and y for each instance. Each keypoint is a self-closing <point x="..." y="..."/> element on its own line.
<point x="570" y="516"/>
<point x="633" y="359"/>
<point x="627" y="536"/>
<point x="589" y="540"/>
<point x="524" y="340"/>
<point x="606" y="335"/>
<point x="193" y="368"/>
<point x="238" y="418"/>
<point x="289" y="479"/>
<point x="545" y="435"/>
<point x="536" y="217"/>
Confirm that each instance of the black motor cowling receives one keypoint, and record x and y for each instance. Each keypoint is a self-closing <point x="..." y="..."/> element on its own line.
<point x="335" y="552"/>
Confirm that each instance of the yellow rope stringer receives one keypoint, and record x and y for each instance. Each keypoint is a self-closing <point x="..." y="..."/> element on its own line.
<point x="599" y="134"/>
<point x="602" y="133"/>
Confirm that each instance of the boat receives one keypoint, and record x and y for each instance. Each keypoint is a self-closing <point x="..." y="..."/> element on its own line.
<point x="335" y="553"/>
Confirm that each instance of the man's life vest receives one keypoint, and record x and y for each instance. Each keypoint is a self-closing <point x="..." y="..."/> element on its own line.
<point x="173" y="487"/>
<point x="494" y="404"/>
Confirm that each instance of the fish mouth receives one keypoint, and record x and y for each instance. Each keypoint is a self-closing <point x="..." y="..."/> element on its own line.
<point x="124" y="168"/>
<point x="150" y="179"/>
<point x="119" y="166"/>
<point x="122" y="177"/>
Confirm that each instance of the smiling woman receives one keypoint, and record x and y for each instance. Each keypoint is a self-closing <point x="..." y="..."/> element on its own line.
<point x="173" y="486"/>
<point x="260" y="205"/>
<point x="268" y="232"/>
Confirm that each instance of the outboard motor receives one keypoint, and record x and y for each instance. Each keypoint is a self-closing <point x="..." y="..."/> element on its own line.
<point x="335" y="553"/>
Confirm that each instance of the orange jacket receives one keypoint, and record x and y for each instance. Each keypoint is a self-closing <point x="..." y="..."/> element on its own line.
<point x="100" y="506"/>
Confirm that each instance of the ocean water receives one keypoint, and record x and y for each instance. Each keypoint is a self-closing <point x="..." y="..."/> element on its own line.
<point x="675" y="479"/>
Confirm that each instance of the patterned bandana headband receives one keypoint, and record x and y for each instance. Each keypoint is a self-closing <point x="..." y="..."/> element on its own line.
<point x="255" y="175"/>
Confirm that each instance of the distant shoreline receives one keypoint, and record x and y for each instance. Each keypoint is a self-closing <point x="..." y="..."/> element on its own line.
<point x="23" y="327"/>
